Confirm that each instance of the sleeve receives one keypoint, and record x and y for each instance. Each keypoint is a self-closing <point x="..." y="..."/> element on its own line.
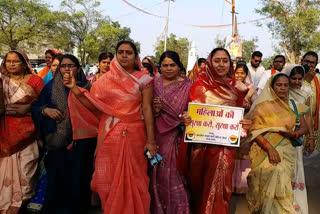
<point x="37" y="83"/>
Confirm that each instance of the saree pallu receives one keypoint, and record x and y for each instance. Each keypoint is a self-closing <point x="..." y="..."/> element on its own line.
<point x="168" y="191"/>
<point x="44" y="72"/>
<point x="120" y="176"/>
<point x="19" y="149"/>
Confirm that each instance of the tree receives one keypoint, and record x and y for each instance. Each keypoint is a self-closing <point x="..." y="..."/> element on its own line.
<point x="179" y="45"/>
<point x="105" y="38"/>
<point x="23" y="21"/>
<point x="294" y="24"/>
<point x="82" y="20"/>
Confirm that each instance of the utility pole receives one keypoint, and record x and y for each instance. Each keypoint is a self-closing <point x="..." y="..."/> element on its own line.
<point x="167" y="26"/>
<point x="233" y="19"/>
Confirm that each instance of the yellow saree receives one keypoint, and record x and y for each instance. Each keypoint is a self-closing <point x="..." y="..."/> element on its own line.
<point x="270" y="189"/>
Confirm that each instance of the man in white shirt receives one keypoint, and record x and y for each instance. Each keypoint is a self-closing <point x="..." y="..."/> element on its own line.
<point x="278" y="64"/>
<point x="256" y="70"/>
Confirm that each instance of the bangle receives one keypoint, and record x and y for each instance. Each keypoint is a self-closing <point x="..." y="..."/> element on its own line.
<point x="263" y="144"/>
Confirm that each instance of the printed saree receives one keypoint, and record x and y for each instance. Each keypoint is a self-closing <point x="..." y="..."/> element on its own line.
<point x="120" y="176"/>
<point x="270" y="189"/>
<point x="19" y="150"/>
<point x="167" y="184"/>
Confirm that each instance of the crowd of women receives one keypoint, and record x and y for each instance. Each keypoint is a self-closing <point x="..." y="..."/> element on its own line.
<point x="65" y="139"/>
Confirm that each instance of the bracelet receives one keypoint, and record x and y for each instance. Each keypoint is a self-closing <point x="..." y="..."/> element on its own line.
<point x="263" y="144"/>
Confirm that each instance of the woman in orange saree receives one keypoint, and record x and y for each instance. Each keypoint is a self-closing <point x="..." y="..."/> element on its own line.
<point x="18" y="145"/>
<point x="49" y="56"/>
<point x="209" y="168"/>
<point x="125" y="130"/>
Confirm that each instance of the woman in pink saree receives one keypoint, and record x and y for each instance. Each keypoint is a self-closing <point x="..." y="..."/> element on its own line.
<point x="18" y="145"/>
<point x="118" y="110"/>
<point x="171" y="94"/>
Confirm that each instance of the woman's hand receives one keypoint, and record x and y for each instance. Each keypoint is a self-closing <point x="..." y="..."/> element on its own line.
<point x="246" y="124"/>
<point x="157" y="105"/>
<point x="288" y="134"/>
<point x="69" y="80"/>
<point x="18" y="110"/>
<point x="53" y="113"/>
<point x="274" y="157"/>
<point x="151" y="146"/>
<point x="185" y="118"/>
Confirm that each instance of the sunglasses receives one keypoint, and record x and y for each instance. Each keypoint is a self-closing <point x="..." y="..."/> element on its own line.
<point x="258" y="61"/>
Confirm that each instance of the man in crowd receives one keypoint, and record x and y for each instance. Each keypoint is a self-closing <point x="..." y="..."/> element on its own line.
<point x="278" y="64"/>
<point x="255" y="68"/>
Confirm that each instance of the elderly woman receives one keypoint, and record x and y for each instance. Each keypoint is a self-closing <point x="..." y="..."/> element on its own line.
<point x="18" y="145"/>
<point x="278" y="124"/>
<point x="118" y="109"/>
<point x="68" y="161"/>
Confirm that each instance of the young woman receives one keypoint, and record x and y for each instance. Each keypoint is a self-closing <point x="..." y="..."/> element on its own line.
<point x="209" y="168"/>
<point x="104" y="59"/>
<point x="49" y="56"/>
<point x="68" y="160"/>
<point x="171" y="95"/>
<point x="118" y="109"/>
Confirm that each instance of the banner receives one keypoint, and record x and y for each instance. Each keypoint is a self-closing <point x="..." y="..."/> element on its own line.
<point x="214" y="124"/>
<point x="234" y="46"/>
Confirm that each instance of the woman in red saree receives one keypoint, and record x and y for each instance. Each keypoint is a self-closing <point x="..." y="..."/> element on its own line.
<point x="118" y="107"/>
<point x="18" y="146"/>
<point x="209" y="168"/>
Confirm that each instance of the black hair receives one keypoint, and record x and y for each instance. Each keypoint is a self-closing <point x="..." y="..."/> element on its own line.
<point x="172" y="55"/>
<point x="276" y="77"/>
<point x="129" y="43"/>
<point x="280" y="56"/>
<point x="201" y="60"/>
<point x="310" y="53"/>
<point x="297" y="70"/>
<point x="58" y="57"/>
<point x="72" y="58"/>
<point x="243" y="65"/>
<point x="50" y="52"/>
<point x="213" y="52"/>
<point x="256" y="53"/>
<point x="105" y="55"/>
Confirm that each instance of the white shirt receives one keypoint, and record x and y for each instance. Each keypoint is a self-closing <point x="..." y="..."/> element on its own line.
<point x="255" y="75"/>
<point x="264" y="79"/>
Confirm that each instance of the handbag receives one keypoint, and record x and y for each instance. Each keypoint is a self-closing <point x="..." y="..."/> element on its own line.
<point x="298" y="141"/>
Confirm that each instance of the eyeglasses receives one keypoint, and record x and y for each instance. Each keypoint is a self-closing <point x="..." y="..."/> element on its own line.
<point x="14" y="62"/>
<point x="67" y="66"/>
<point x="258" y="61"/>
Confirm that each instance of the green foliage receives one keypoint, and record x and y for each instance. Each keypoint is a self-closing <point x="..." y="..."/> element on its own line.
<point x="23" y="21"/>
<point x="248" y="46"/>
<point x="105" y="38"/>
<point x="179" y="45"/>
<point x="295" y="25"/>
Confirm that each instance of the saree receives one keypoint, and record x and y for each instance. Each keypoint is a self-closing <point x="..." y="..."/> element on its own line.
<point x="168" y="191"/>
<point x="300" y="95"/>
<point x="270" y="188"/>
<point x="209" y="167"/>
<point x="19" y="149"/>
<point x="120" y="176"/>
<point x="44" y="72"/>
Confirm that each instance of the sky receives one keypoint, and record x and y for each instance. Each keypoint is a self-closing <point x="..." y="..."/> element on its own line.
<point x="183" y="13"/>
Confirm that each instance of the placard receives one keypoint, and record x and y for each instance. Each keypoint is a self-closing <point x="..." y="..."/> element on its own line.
<point x="214" y="124"/>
